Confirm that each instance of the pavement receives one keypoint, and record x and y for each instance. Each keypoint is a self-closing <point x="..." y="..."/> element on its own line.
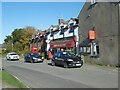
<point x="43" y="75"/>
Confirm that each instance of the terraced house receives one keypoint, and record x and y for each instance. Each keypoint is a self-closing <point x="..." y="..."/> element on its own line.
<point x="57" y="37"/>
<point x="65" y="35"/>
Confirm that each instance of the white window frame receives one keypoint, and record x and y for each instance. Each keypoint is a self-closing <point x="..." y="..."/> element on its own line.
<point x="93" y="1"/>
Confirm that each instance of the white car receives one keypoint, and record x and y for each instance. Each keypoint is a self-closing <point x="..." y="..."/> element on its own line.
<point x="12" y="56"/>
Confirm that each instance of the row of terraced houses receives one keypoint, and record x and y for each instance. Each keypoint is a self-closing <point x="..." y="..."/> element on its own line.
<point x="94" y="33"/>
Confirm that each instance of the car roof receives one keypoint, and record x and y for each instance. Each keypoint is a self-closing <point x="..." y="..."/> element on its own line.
<point x="12" y="53"/>
<point x="62" y="52"/>
<point x="34" y="54"/>
<point x="31" y="53"/>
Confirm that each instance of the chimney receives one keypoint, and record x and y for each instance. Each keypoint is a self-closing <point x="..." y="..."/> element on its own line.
<point x="60" y="21"/>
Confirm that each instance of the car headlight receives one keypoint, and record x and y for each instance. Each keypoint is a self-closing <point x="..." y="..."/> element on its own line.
<point x="42" y="58"/>
<point x="11" y="57"/>
<point x="70" y="60"/>
<point x="34" y="58"/>
<point x="17" y="56"/>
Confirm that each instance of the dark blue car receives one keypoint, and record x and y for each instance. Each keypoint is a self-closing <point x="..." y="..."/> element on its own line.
<point x="33" y="57"/>
<point x="66" y="59"/>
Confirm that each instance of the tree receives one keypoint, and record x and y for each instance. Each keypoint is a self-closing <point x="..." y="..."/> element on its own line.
<point x="17" y="34"/>
<point x="27" y="34"/>
<point x="7" y="39"/>
<point x="20" y="39"/>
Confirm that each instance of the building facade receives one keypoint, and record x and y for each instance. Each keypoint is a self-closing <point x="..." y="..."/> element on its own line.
<point x="57" y="37"/>
<point x="98" y="32"/>
<point x="64" y="35"/>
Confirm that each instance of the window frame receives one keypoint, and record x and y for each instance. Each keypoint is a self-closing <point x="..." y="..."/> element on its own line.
<point x="62" y="30"/>
<point x="71" y="28"/>
<point x="93" y="1"/>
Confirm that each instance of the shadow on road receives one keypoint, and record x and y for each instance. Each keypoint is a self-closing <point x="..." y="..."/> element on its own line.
<point x="50" y="64"/>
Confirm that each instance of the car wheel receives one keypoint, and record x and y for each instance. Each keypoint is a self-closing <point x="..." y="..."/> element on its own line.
<point x="81" y="63"/>
<point x="53" y="63"/>
<point x="25" y="60"/>
<point x="65" y="65"/>
<point x="9" y="59"/>
<point x="31" y="61"/>
<point x="42" y="60"/>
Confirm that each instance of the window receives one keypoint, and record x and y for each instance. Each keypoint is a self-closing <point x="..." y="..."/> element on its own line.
<point x="71" y="28"/>
<point x="52" y="33"/>
<point x="93" y="1"/>
<point x="59" y="55"/>
<point x="77" y="21"/>
<point x="94" y="49"/>
<point x="56" y="54"/>
<point x="62" y="30"/>
<point x="85" y="49"/>
<point x="97" y="48"/>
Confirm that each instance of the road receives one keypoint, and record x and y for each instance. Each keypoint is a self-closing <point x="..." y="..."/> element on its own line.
<point x="43" y="75"/>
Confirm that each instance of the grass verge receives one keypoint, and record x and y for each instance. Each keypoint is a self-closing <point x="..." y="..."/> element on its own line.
<point x="11" y="81"/>
<point x="2" y="55"/>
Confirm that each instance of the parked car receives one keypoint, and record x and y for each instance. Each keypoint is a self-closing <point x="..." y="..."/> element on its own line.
<point x="66" y="59"/>
<point x="33" y="57"/>
<point x="12" y="56"/>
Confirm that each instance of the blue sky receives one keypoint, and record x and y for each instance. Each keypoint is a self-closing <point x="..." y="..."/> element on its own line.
<point x="40" y="15"/>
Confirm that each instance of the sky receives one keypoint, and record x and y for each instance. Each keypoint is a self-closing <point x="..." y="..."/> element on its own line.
<point x="40" y="15"/>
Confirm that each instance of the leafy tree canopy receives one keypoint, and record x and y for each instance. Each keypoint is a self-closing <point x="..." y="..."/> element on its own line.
<point x="20" y="38"/>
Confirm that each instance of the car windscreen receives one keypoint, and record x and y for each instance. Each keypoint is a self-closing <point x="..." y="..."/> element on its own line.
<point x="35" y="55"/>
<point x="67" y="54"/>
<point x="13" y="54"/>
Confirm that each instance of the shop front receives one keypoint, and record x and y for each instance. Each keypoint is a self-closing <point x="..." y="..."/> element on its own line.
<point x="67" y="44"/>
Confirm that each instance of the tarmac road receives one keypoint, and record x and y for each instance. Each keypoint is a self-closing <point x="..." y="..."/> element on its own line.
<point x="42" y="75"/>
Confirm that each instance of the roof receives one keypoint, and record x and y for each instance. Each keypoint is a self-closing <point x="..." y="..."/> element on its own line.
<point x="55" y="26"/>
<point x="47" y="31"/>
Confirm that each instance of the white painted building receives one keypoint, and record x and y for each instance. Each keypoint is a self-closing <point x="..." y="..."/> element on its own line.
<point x="65" y="32"/>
